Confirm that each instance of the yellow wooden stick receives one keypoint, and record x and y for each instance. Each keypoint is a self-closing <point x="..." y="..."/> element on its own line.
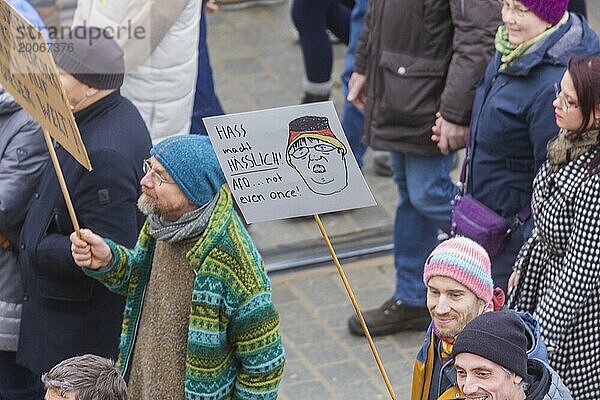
<point x="356" y="308"/>
<point x="61" y="182"/>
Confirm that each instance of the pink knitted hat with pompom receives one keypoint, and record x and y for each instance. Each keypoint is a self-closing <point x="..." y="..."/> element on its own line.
<point x="550" y="11"/>
<point x="464" y="261"/>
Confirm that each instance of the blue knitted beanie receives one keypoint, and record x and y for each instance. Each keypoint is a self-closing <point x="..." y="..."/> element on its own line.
<point x="192" y="163"/>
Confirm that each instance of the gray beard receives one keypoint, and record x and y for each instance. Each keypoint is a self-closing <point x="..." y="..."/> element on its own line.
<point x="146" y="206"/>
<point x="189" y="225"/>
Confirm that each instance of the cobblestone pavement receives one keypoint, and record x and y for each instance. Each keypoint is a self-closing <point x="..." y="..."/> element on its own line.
<point x="323" y="360"/>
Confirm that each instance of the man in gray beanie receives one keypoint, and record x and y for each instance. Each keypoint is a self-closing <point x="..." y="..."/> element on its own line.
<point x="90" y="63"/>
<point x="490" y="358"/>
<point x="65" y="313"/>
<point x="194" y="277"/>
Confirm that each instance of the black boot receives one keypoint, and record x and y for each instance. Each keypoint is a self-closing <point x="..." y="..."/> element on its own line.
<point x="313" y="98"/>
<point x="391" y="317"/>
<point x="381" y="164"/>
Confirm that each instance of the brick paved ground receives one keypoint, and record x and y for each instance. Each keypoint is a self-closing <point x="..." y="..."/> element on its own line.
<point x="324" y="360"/>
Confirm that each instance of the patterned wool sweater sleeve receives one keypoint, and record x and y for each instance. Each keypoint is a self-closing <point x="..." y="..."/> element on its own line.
<point x="254" y="326"/>
<point x="125" y="265"/>
<point x="254" y="332"/>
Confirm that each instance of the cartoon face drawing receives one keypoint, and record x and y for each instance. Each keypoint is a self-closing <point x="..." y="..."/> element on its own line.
<point x="317" y="155"/>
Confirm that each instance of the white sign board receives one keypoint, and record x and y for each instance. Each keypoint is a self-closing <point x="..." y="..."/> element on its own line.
<point x="288" y="162"/>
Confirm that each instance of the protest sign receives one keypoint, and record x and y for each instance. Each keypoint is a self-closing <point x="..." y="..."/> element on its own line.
<point x="28" y="72"/>
<point x="288" y="162"/>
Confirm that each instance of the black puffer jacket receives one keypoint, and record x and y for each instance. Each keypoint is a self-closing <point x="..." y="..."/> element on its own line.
<point x="420" y="57"/>
<point x="544" y="383"/>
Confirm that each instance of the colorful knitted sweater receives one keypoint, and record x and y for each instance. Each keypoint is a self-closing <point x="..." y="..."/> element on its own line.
<point x="234" y="346"/>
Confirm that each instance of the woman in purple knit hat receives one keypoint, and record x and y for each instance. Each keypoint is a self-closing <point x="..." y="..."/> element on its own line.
<point x="513" y="118"/>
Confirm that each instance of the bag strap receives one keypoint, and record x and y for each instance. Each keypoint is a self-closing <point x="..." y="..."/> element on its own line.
<point x="519" y="219"/>
<point x="463" y="175"/>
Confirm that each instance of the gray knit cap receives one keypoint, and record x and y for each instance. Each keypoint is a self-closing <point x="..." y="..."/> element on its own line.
<point x="92" y="56"/>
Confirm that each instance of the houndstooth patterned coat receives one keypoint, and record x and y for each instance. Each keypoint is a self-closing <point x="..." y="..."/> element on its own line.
<point x="560" y="272"/>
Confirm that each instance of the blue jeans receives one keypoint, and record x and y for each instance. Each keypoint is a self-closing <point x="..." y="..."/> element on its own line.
<point x="352" y="117"/>
<point x="206" y="102"/>
<point x="16" y="382"/>
<point x="424" y="207"/>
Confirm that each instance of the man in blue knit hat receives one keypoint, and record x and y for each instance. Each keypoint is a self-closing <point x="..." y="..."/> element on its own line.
<point x="199" y="321"/>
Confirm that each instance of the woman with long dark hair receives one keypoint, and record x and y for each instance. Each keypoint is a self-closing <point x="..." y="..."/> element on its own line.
<point x="558" y="268"/>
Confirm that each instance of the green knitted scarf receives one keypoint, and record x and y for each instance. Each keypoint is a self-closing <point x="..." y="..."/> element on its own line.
<point x="511" y="52"/>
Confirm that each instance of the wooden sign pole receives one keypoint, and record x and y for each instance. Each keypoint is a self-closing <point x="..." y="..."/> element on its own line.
<point x="356" y="308"/>
<point x="61" y="181"/>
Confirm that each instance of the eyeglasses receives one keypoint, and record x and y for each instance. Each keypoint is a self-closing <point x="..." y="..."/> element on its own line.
<point x="516" y="11"/>
<point x="302" y="151"/>
<point x="564" y="103"/>
<point x="158" y="180"/>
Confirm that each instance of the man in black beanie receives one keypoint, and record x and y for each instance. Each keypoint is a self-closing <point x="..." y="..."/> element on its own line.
<point x="66" y="313"/>
<point x="490" y="358"/>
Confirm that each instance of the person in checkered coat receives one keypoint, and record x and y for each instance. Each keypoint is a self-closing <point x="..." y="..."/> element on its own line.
<point x="557" y="273"/>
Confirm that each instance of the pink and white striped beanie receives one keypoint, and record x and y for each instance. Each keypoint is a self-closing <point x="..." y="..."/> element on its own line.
<point x="466" y="262"/>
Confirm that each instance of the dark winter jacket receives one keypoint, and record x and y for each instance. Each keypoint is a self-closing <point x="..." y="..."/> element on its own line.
<point x="431" y="376"/>
<point x="65" y="312"/>
<point x="513" y="119"/>
<point x="23" y="154"/>
<point x="544" y="383"/>
<point x="420" y="57"/>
